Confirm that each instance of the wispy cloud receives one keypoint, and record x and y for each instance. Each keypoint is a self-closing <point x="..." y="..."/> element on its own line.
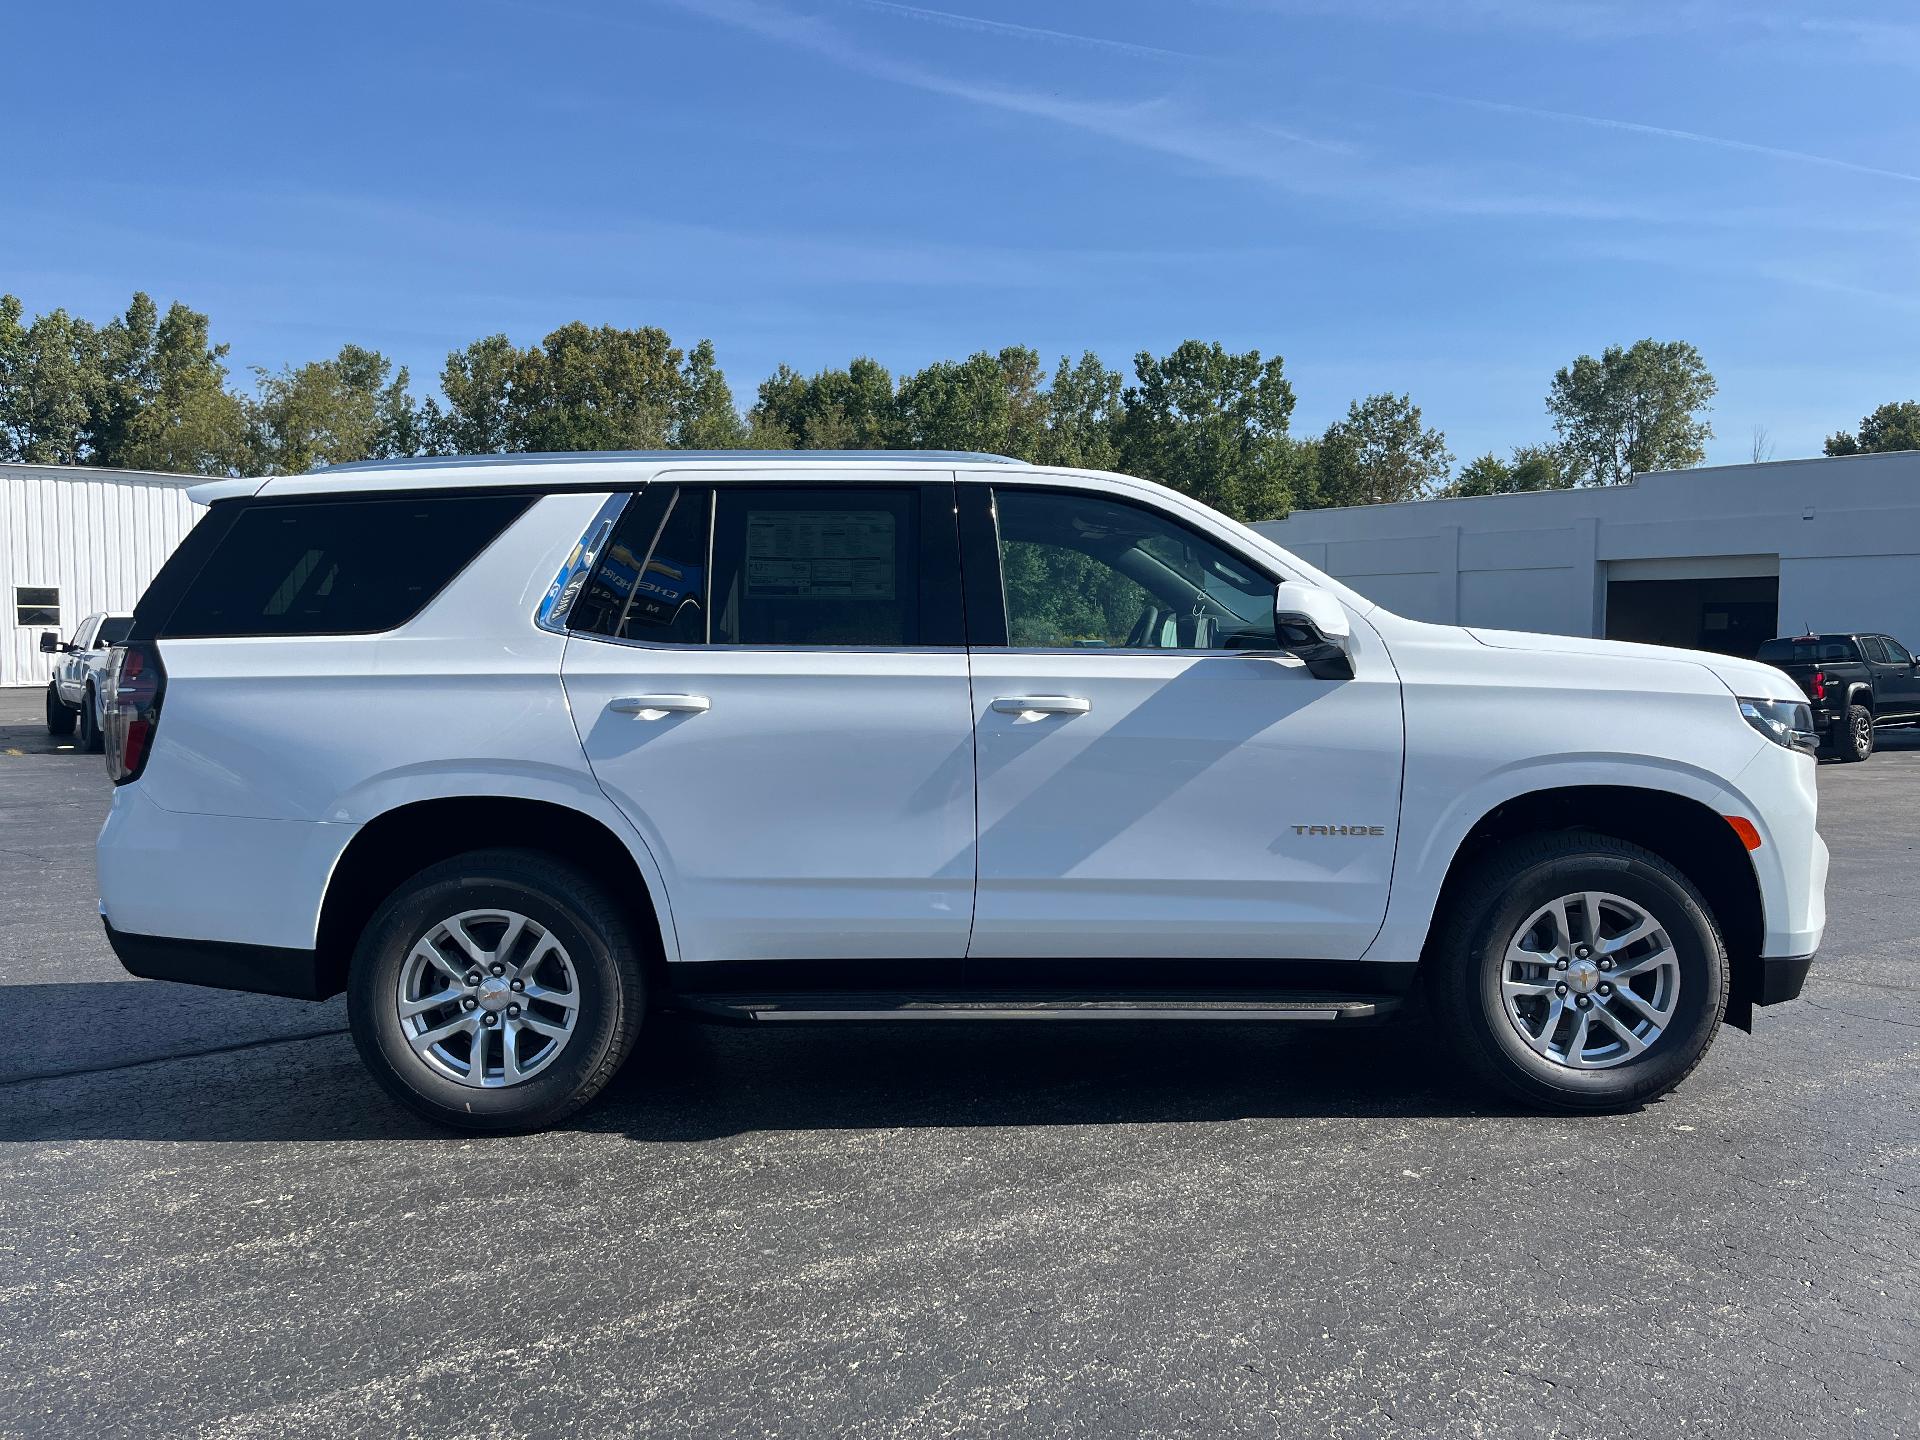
<point x="982" y="26"/>
<point x="1663" y="132"/>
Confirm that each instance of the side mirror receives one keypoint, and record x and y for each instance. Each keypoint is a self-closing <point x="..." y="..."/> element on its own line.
<point x="50" y="643"/>
<point x="1310" y="623"/>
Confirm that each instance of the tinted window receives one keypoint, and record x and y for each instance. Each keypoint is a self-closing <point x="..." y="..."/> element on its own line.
<point x="1085" y="572"/>
<point x="337" y="567"/>
<point x="1896" y="652"/>
<point x="650" y="582"/>
<point x="838" y="565"/>
<point x="1808" y="651"/>
<point x="113" y="630"/>
<point x="1875" y="650"/>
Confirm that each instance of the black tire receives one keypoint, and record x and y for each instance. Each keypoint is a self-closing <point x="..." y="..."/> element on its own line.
<point x="91" y="740"/>
<point x="1464" y="969"/>
<point x="1852" y="739"/>
<point x="571" y="907"/>
<point x="59" y="718"/>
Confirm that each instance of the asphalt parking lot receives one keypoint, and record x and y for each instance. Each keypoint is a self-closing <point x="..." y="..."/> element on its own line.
<point x="213" y="1224"/>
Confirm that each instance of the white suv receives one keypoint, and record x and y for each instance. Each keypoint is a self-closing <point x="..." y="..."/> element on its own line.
<point x="518" y="749"/>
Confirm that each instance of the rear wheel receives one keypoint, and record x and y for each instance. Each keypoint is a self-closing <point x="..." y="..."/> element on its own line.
<point x="91" y="739"/>
<point x="1579" y="972"/>
<point x="1852" y="739"/>
<point x="59" y="717"/>
<point x="498" y="991"/>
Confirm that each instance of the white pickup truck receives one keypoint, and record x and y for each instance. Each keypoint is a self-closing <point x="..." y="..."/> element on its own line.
<point x="518" y="749"/>
<point x="79" y="675"/>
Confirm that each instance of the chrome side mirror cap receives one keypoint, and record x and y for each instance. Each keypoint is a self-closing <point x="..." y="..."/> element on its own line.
<point x="1310" y="623"/>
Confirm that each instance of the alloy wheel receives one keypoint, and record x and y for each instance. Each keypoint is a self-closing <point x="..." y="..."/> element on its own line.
<point x="488" y="998"/>
<point x="1590" y="980"/>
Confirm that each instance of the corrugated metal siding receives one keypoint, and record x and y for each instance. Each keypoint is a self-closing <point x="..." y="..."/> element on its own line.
<point x="97" y="536"/>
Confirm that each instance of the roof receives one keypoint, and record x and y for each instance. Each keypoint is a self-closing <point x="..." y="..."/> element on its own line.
<point x="579" y="470"/>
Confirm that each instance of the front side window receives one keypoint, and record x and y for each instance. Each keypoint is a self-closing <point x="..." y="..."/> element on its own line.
<point x="36" y="605"/>
<point x="1896" y="652"/>
<point x="1084" y="572"/>
<point x="773" y="567"/>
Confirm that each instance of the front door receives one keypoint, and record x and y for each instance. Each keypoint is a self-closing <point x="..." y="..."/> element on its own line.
<point x="1156" y="780"/>
<point x="771" y="682"/>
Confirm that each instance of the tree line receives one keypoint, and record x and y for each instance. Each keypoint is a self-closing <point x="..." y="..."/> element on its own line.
<point x="150" y="390"/>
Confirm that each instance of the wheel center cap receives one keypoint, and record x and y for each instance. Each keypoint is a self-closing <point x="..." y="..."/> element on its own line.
<point x="494" y="994"/>
<point x="1583" y="977"/>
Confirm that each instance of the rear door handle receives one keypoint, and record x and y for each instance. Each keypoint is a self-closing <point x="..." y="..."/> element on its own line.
<point x="653" y="707"/>
<point x="1034" y="706"/>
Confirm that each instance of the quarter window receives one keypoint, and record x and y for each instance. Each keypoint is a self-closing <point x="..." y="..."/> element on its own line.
<point x="338" y="567"/>
<point x="1084" y="572"/>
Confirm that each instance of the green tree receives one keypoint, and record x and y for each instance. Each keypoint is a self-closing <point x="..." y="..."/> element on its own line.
<point x="1381" y="452"/>
<point x="1893" y="426"/>
<point x="1632" y="411"/>
<point x="1083" y="410"/>
<point x="477" y="418"/>
<point x="850" y="409"/>
<point x="327" y="412"/>
<point x="1533" y="467"/>
<point x="985" y="402"/>
<point x="1212" y="424"/>
<point x="51" y="383"/>
<point x="704" y="415"/>
<point x="189" y="422"/>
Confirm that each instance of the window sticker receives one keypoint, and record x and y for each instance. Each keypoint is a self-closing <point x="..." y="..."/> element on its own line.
<point x="820" y="554"/>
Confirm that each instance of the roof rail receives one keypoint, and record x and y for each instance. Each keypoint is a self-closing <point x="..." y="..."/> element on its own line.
<point x="578" y="457"/>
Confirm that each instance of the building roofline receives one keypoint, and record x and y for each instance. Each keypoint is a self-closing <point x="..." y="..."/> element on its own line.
<point x="169" y="478"/>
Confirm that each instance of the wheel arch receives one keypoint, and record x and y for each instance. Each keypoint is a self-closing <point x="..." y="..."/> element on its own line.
<point x="401" y="842"/>
<point x="1687" y="833"/>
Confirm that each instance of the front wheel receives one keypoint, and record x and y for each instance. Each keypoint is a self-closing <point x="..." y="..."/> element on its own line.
<point x="1579" y="972"/>
<point x="497" y="991"/>
<point x="59" y="717"/>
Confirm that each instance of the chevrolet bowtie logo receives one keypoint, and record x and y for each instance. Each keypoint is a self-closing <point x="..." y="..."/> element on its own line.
<point x="1339" y="829"/>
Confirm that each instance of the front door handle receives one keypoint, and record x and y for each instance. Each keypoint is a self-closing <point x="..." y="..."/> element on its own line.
<point x="655" y="707"/>
<point x="1032" y="707"/>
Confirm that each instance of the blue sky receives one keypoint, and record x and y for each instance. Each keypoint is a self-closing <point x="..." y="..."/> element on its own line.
<point x="1446" y="197"/>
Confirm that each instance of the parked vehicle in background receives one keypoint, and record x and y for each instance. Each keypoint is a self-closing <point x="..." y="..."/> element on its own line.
<point x="1855" y="683"/>
<point x="517" y="749"/>
<point x="75" y="692"/>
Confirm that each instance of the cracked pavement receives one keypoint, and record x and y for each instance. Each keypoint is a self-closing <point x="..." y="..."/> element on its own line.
<point x="213" y="1224"/>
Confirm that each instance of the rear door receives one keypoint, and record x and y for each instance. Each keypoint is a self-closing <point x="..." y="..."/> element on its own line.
<point x="770" y="680"/>
<point x="1158" y="782"/>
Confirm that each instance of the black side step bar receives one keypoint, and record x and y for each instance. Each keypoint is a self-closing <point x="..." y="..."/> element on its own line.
<point x="829" y="1005"/>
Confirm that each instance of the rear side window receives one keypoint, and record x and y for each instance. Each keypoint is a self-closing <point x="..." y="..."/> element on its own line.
<point x="113" y="630"/>
<point x="1875" y="650"/>
<point x="337" y="567"/>
<point x="779" y="566"/>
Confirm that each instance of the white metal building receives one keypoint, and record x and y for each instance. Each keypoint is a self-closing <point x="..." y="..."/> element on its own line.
<point x="1717" y="558"/>
<point x="73" y="541"/>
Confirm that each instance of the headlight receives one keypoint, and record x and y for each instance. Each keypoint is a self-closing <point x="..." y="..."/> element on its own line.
<point x="1785" y="722"/>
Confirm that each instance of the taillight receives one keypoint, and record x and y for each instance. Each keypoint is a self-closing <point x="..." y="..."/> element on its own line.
<point x="1819" y="684"/>
<point x="136" y="681"/>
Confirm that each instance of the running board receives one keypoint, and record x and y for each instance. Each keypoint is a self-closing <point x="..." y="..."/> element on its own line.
<point x="846" y="1006"/>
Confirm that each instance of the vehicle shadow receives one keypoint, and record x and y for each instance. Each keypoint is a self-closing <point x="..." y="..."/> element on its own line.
<point x="689" y="1082"/>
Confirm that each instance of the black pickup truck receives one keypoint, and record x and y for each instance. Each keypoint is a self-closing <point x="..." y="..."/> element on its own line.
<point x="1855" y="683"/>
